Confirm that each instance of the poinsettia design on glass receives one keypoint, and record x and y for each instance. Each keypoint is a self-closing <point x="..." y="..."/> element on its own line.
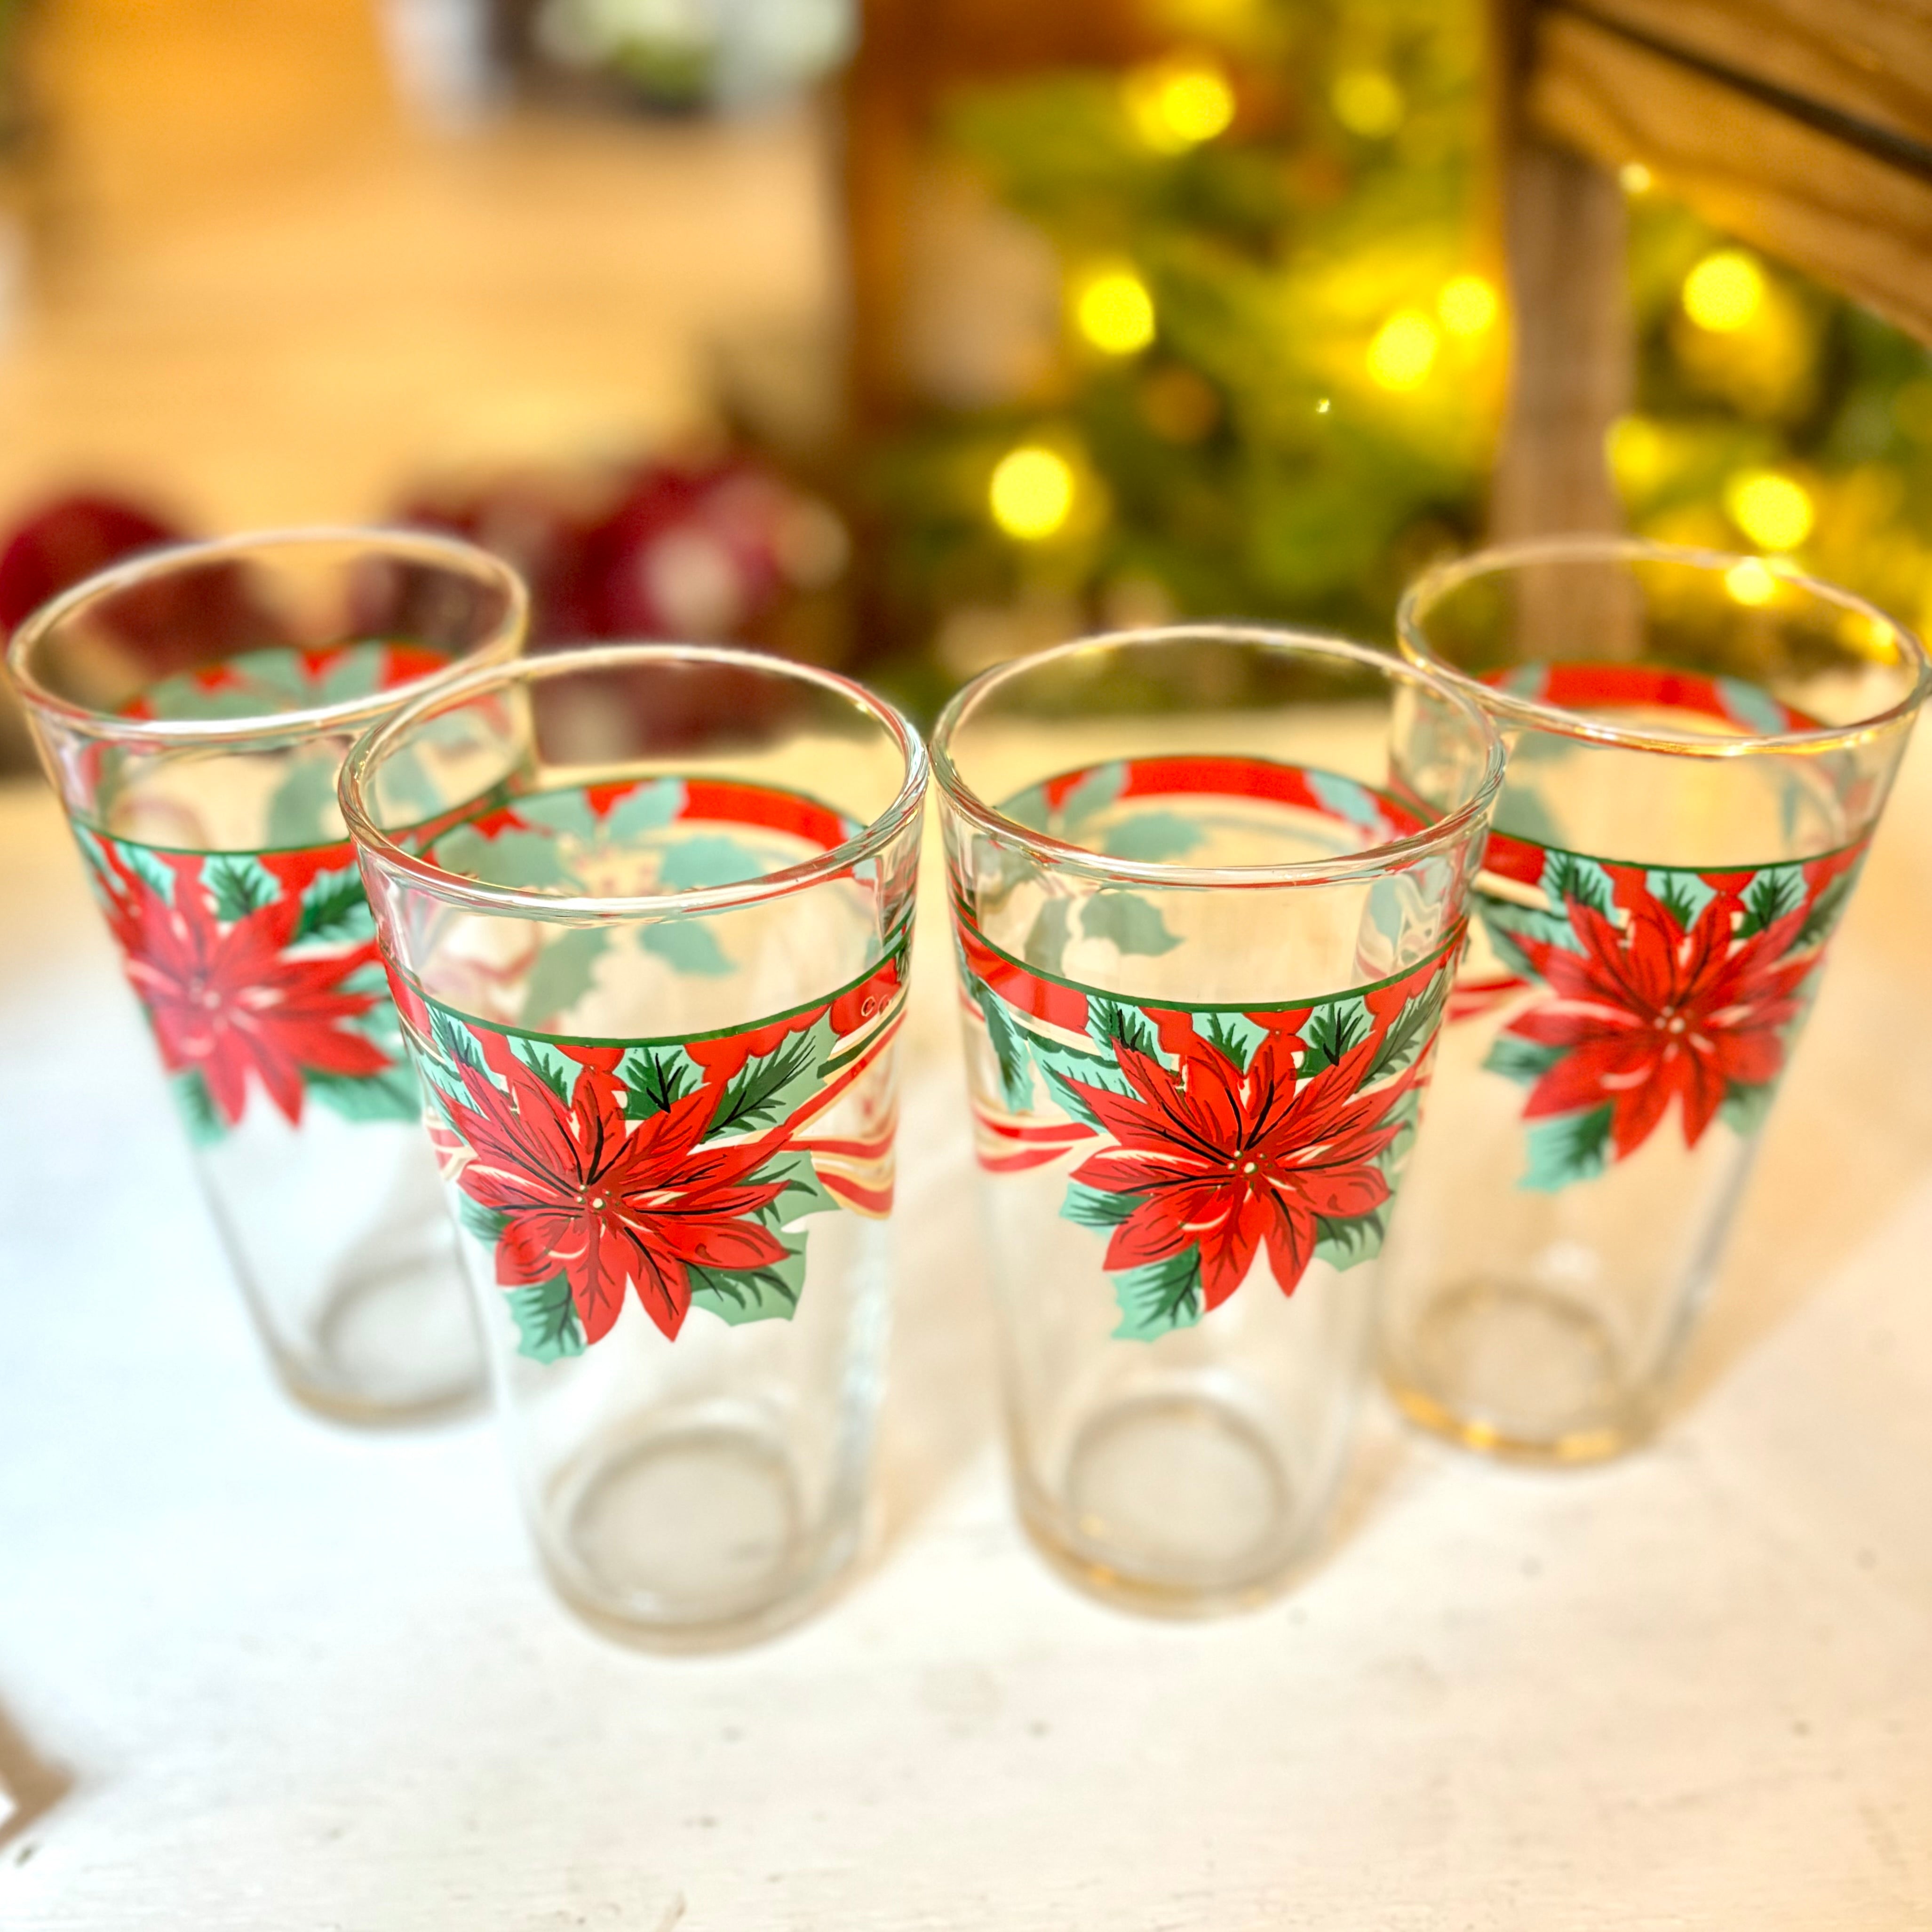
<point x="1225" y="1135"/>
<point x="260" y="978"/>
<point x="288" y="677"/>
<point x="658" y="835"/>
<point x="1656" y="990"/>
<point x="674" y="1171"/>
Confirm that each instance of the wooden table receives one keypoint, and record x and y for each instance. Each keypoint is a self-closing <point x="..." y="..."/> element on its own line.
<point x="255" y="1672"/>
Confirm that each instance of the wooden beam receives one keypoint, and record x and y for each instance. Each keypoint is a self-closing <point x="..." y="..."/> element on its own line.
<point x="1834" y="208"/>
<point x="1571" y="353"/>
<point x="1869" y="60"/>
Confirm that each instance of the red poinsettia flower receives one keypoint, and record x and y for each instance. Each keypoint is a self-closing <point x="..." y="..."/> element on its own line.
<point x="1229" y="1161"/>
<point x="611" y="1204"/>
<point x="228" y="1004"/>
<point x="1654" y="1012"/>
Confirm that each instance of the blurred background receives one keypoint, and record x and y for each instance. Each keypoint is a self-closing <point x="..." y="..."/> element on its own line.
<point x="900" y="335"/>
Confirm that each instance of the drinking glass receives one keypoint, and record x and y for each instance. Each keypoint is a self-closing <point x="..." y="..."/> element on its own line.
<point x="652" y="987"/>
<point x="1700" y="747"/>
<point x="192" y="707"/>
<point x="1204" y="946"/>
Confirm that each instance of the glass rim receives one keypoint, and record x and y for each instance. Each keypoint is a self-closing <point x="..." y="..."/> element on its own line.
<point x="455" y="553"/>
<point x="457" y="888"/>
<point x="1065" y="856"/>
<point x="1497" y="560"/>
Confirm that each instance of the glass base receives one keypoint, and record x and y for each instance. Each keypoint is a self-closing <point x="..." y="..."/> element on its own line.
<point x="1172" y="1503"/>
<point x="1517" y="1369"/>
<point x="394" y="1344"/>
<point x="689" y="1533"/>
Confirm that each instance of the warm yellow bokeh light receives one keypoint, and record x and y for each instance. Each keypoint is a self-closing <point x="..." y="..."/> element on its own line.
<point x="1116" y="313"/>
<point x="1635" y="451"/>
<point x="1467" y="305"/>
<point x="1032" y="492"/>
<point x="1750" y="582"/>
<point x="1178" y="104"/>
<point x="1775" y="512"/>
<point x="1366" y="102"/>
<point x="1724" y="291"/>
<point x="1403" y="351"/>
<point x="1870" y="635"/>
<point x="1635" y="178"/>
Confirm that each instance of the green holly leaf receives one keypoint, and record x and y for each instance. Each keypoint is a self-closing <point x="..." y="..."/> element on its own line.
<point x="512" y="858"/>
<point x="1061" y="1068"/>
<point x="303" y="809"/>
<point x="1045" y="943"/>
<point x="1776" y="892"/>
<point x="1525" y="1061"/>
<point x="1744" y="1108"/>
<point x="738" y="1295"/>
<point x="1100" y="788"/>
<point x="771" y="1086"/>
<point x="688" y="945"/>
<point x="334" y="908"/>
<point x="1152" y="837"/>
<point x="1345" y="1244"/>
<point x="486" y="1224"/>
<point x="1132" y="923"/>
<point x="649" y="808"/>
<point x="1567" y="877"/>
<point x="563" y="973"/>
<point x="456" y="1043"/>
<point x="655" y="1079"/>
<point x="1111" y="1020"/>
<point x="1008" y="1044"/>
<point x="566" y="811"/>
<point x="802" y="1192"/>
<point x="1096" y="1207"/>
<point x="390" y="1095"/>
<point x="693" y="864"/>
<point x="1570" y="1148"/>
<point x="1827" y="909"/>
<point x="554" y="1069"/>
<point x="1682" y="895"/>
<point x="1506" y="922"/>
<point x="1159" y="1298"/>
<point x="1335" y="1030"/>
<point x="203" y="1120"/>
<point x="1233" y="1036"/>
<point x="1411" y="1033"/>
<point x="237" y="885"/>
<point x="159" y="879"/>
<point x="547" y="1327"/>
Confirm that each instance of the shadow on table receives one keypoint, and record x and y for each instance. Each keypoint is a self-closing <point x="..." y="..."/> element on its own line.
<point x="30" y="1786"/>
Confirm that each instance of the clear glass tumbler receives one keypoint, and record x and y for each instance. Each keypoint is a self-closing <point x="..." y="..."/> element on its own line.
<point x="193" y="707"/>
<point x="1204" y="948"/>
<point x="653" y="987"/>
<point x="1700" y="747"/>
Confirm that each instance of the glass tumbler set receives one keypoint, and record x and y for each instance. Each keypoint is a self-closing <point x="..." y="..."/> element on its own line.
<point x="626" y="929"/>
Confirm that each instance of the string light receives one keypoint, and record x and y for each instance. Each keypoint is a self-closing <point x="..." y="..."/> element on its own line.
<point x="1179" y="104"/>
<point x="1775" y="512"/>
<point x="1750" y="583"/>
<point x="1115" y="314"/>
<point x="1366" y="102"/>
<point x="1636" y="450"/>
<point x="1403" y="351"/>
<point x="1031" y="494"/>
<point x="1724" y="291"/>
<point x="1635" y="178"/>
<point x="1467" y="305"/>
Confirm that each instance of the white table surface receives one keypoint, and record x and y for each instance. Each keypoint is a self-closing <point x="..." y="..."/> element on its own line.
<point x="255" y="1672"/>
